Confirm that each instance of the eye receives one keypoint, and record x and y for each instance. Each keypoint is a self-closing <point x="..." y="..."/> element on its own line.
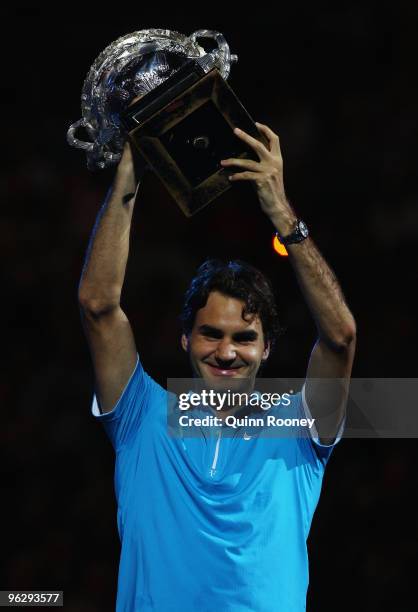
<point x="210" y="333"/>
<point x="250" y="339"/>
<point x="211" y="336"/>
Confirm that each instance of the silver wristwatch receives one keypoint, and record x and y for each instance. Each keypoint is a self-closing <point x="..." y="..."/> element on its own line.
<point x="299" y="233"/>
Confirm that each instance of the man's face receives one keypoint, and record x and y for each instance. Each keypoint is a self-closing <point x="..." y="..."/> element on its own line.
<point x="222" y="345"/>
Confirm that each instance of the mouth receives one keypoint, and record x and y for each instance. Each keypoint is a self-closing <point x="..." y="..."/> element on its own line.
<point x="227" y="372"/>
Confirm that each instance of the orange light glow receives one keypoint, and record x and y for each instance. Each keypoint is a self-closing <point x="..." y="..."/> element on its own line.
<point x="279" y="247"/>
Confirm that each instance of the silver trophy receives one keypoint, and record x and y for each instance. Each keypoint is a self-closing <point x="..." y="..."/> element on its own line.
<point x="129" y="67"/>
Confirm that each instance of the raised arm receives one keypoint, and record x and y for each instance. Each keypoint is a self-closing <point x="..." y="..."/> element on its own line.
<point x="108" y="331"/>
<point x="331" y="361"/>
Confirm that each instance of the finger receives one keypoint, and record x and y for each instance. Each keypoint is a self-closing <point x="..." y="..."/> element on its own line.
<point x="248" y="164"/>
<point x="272" y="137"/>
<point x="244" y="176"/>
<point x="255" y="144"/>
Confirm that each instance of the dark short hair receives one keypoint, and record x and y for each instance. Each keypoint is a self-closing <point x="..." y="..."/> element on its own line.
<point x="239" y="280"/>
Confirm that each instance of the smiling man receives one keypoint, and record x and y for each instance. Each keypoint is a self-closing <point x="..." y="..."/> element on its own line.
<point x="217" y="521"/>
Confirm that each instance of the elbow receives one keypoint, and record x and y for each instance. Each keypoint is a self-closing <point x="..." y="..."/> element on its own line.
<point x="96" y="307"/>
<point x="350" y="333"/>
<point x="348" y="337"/>
<point x="345" y="339"/>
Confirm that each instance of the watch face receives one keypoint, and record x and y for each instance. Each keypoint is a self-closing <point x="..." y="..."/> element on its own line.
<point x="303" y="229"/>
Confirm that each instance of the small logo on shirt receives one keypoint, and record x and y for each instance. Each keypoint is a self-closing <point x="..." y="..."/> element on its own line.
<point x="246" y="436"/>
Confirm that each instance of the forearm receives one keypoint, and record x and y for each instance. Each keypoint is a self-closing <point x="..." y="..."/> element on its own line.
<point x="107" y="254"/>
<point x="319" y="286"/>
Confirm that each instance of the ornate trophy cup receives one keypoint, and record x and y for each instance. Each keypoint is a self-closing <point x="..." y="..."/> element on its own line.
<point x="170" y="97"/>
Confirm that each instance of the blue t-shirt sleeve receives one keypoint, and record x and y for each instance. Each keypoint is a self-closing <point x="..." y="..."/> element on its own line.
<point x="125" y="419"/>
<point x="323" y="451"/>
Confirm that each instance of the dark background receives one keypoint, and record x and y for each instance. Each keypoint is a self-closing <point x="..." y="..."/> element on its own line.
<point x="340" y="87"/>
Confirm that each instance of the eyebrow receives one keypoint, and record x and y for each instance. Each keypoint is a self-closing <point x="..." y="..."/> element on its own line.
<point x="242" y="336"/>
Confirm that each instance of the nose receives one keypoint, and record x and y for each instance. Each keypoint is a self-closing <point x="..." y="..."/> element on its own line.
<point x="225" y="351"/>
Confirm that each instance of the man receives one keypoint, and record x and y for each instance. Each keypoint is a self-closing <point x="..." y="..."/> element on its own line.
<point x="213" y="522"/>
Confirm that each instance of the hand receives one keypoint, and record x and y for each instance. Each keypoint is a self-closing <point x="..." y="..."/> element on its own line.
<point x="266" y="174"/>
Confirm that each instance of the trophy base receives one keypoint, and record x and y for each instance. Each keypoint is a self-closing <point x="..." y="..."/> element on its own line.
<point x="184" y="127"/>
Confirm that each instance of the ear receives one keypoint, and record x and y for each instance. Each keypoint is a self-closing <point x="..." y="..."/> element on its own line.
<point x="184" y="342"/>
<point x="266" y="352"/>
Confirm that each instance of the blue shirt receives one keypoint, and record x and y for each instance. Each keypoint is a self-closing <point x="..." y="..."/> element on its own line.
<point x="209" y="523"/>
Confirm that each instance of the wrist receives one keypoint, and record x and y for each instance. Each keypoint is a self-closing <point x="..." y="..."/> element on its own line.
<point x="125" y="170"/>
<point x="125" y="182"/>
<point x="284" y="222"/>
<point x="126" y="167"/>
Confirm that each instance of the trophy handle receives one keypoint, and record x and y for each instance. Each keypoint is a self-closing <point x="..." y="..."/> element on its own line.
<point x="222" y="53"/>
<point x="92" y="149"/>
<point x="75" y="142"/>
